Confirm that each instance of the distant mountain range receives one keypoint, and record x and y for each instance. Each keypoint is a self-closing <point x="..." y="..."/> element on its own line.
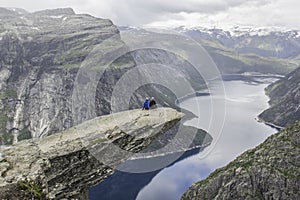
<point x="270" y="42"/>
<point x="240" y="50"/>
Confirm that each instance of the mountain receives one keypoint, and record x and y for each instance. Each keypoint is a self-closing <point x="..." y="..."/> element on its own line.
<point x="265" y="42"/>
<point x="53" y="73"/>
<point x="284" y="100"/>
<point x="269" y="171"/>
<point x="260" y="50"/>
<point x="40" y="55"/>
<point x="220" y="46"/>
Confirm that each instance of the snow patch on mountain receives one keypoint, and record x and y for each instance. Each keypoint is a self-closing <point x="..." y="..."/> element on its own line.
<point x="238" y="31"/>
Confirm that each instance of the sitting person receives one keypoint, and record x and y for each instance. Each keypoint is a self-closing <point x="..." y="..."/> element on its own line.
<point x="152" y="103"/>
<point x="146" y="105"/>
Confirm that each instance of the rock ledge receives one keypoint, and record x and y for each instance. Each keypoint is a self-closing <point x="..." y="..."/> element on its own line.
<point x="64" y="165"/>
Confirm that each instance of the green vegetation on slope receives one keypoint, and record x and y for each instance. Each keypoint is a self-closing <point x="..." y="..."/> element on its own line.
<point x="8" y="93"/>
<point x="269" y="171"/>
<point x="229" y="61"/>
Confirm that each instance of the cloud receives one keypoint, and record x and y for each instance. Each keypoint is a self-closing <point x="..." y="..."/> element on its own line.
<point x="178" y="12"/>
<point x="141" y="12"/>
<point x="280" y="13"/>
<point x="200" y="6"/>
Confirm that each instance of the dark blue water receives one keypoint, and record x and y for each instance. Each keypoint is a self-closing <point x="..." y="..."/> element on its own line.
<point x="244" y="101"/>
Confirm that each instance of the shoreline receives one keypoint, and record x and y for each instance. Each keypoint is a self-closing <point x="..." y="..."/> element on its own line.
<point x="198" y="93"/>
<point x="248" y="75"/>
<point x="260" y="120"/>
<point x="167" y="154"/>
<point x="225" y="77"/>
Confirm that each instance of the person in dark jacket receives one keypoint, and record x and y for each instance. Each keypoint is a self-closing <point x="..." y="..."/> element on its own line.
<point x="152" y="103"/>
<point x="146" y="105"/>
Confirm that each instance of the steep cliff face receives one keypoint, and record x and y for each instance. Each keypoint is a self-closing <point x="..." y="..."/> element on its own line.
<point x="40" y="56"/>
<point x="269" y="171"/>
<point x="285" y="100"/>
<point x="64" y="165"/>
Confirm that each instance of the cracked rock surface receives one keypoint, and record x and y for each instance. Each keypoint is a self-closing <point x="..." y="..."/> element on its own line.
<point x="64" y="165"/>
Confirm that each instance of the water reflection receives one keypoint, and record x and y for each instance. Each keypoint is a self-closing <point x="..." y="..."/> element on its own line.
<point x="123" y="185"/>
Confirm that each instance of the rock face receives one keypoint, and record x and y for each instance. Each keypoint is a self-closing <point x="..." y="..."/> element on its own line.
<point x="285" y="100"/>
<point x="39" y="59"/>
<point x="64" y="165"/>
<point x="269" y="171"/>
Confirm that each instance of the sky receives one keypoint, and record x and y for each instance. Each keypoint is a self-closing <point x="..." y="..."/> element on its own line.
<point x="173" y="13"/>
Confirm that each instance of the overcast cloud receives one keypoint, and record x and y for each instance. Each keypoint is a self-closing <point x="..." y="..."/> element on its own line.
<point x="222" y="13"/>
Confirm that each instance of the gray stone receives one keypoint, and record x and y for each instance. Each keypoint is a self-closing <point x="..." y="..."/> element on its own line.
<point x="64" y="165"/>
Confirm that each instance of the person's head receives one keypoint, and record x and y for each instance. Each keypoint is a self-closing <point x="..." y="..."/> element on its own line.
<point x="147" y="98"/>
<point x="152" y="98"/>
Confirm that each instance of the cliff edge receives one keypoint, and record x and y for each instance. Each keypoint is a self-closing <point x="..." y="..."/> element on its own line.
<point x="64" y="165"/>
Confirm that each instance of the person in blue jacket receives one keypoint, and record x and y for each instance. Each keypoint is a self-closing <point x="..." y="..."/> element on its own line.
<point x="146" y="105"/>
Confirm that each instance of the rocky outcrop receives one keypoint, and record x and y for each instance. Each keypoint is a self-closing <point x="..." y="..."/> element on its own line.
<point x="284" y="100"/>
<point x="64" y="165"/>
<point x="269" y="171"/>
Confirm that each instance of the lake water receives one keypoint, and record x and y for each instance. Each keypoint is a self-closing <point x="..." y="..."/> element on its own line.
<point x="240" y="132"/>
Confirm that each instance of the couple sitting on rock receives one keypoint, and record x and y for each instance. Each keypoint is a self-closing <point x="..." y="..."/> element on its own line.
<point x="149" y="103"/>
